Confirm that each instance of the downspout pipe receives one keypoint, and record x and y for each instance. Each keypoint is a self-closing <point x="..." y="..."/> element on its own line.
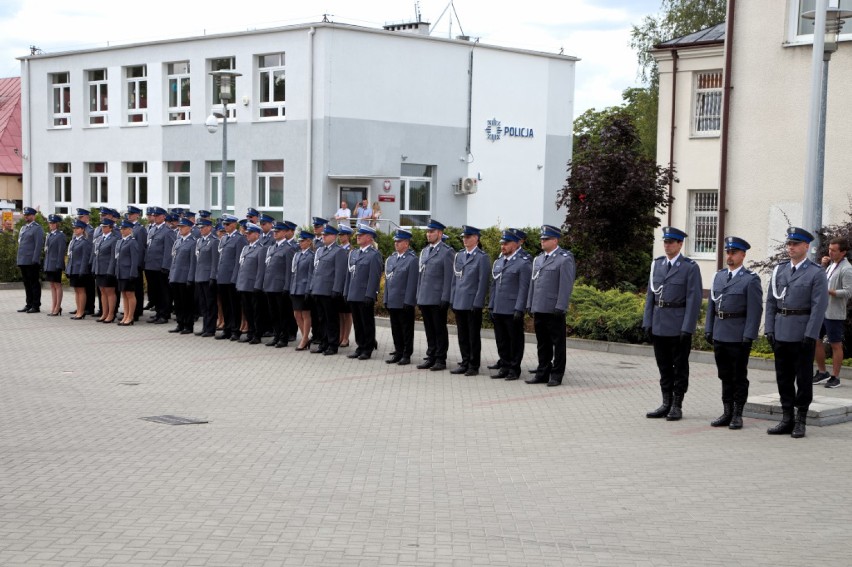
<point x="310" y="127"/>
<point x="672" y="131"/>
<point x="723" y="142"/>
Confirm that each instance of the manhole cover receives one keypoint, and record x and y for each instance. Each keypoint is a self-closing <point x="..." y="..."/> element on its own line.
<point x="174" y="420"/>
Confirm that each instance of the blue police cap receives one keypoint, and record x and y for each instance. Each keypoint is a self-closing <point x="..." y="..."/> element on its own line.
<point x="267" y="218"/>
<point x="509" y="236"/>
<point x="800" y="234"/>
<point x="149" y="210"/>
<point x="186" y="222"/>
<point x="330" y="230"/>
<point x="401" y="235"/>
<point x="220" y="227"/>
<point x="435" y="225"/>
<point x="126" y="224"/>
<point x="176" y="211"/>
<point x="53" y="218"/>
<point x="670" y="232"/>
<point x="188" y="214"/>
<point x="279" y="226"/>
<point x="290" y="225"/>
<point x="107" y="222"/>
<point x="365" y="229"/>
<point x="344" y="229"/>
<point x="29" y="211"/>
<point x="319" y="221"/>
<point x="105" y="211"/>
<point x="468" y="230"/>
<point x="227" y="219"/>
<point x="550" y="231"/>
<point x="172" y="217"/>
<point x="243" y="223"/>
<point x="205" y="214"/>
<point x="204" y="222"/>
<point x="252" y="212"/>
<point x="134" y="210"/>
<point x="251" y="227"/>
<point x="518" y="232"/>
<point x="732" y="242"/>
<point x="83" y="213"/>
<point x="79" y="224"/>
<point x="305" y="235"/>
<point x="158" y="211"/>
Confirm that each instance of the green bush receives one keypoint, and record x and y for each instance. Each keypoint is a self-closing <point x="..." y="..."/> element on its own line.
<point x="611" y="315"/>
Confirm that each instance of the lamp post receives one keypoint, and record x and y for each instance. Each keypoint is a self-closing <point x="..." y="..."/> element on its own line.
<point x="226" y="80"/>
<point x="828" y="21"/>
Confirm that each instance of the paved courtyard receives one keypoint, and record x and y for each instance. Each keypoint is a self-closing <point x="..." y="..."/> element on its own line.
<point x="312" y="460"/>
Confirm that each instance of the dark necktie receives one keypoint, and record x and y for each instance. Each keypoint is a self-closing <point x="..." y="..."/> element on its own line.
<point x="730" y="275"/>
<point x="794" y="271"/>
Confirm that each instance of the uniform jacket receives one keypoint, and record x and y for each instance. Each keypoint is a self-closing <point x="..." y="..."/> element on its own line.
<point x="435" y="284"/>
<point x="79" y="257"/>
<point x="206" y="258"/>
<point x="679" y="284"/>
<point x="551" y="282"/>
<point x="127" y="258"/>
<point x="806" y="289"/>
<point x="841" y="282"/>
<point x="260" y="272"/>
<point x="279" y="257"/>
<point x="247" y="265"/>
<point x="365" y="272"/>
<point x="401" y="275"/>
<point x="54" y="252"/>
<point x="510" y="283"/>
<point x="301" y="272"/>
<point x="230" y="248"/>
<point x="103" y="254"/>
<point x="471" y="273"/>
<point x="140" y="233"/>
<point x="30" y="244"/>
<point x="266" y="239"/>
<point x="183" y="260"/>
<point x="743" y="294"/>
<point x="330" y="271"/>
<point x="158" y="255"/>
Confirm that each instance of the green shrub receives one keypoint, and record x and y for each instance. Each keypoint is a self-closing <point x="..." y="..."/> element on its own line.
<point x="610" y="315"/>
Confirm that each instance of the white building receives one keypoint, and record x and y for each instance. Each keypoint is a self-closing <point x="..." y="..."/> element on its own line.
<point x="321" y="113"/>
<point x="749" y="180"/>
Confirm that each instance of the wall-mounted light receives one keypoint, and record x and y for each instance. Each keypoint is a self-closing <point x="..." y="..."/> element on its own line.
<point x="403" y="157"/>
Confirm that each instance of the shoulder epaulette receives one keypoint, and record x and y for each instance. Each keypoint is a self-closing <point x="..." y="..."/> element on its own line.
<point x="565" y="254"/>
<point x="688" y="260"/>
<point x="659" y="258"/>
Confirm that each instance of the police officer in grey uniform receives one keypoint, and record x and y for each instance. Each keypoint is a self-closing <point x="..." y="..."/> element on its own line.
<point x="795" y="308"/>
<point x="230" y="249"/>
<point x="434" y="287"/>
<point x="276" y="278"/>
<point x="327" y="283"/>
<point x="362" y="289"/>
<point x="290" y="325"/>
<point x="510" y="281"/>
<point x="521" y="237"/>
<point x="551" y="284"/>
<point x="251" y="256"/>
<point x="206" y="264"/>
<point x="400" y="297"/>
<point x="317" y="323"/>
<point x="103" y="257"/>
<point x="471" y="273"/>
<point x="158" y="260"/>
<point x="30" y="244"/>
<point x="182" y="276"/>
<point x="672" y="305"/>
<point x="54" y="263"/>
<point x="731" y="325"/>
<point x="91" y="289"/>
<point x="140" y="234"/>
<point x="266" y="223"/>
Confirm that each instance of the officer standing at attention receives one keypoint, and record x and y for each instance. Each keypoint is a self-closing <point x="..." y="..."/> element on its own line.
<point x="30" y="244"/>
<point x="206" y="263"/>
<point x="433" y="295"/>
<point x="266" y="222"/>
<point x="141" y="235"/>
<point x="551" y="284"/>
<point x="181" y="276"/>
<point x="795" y="308"/>
<point x="276" y="278"/>
<point x="400" y="297"/>
<point x="126" y="268"/>
<point x="362" y="289"/>
<point x="317" y="328"/>
<point x="327" y="283"/>
<point x="246" y="275"/>
<point x="510" y="281"/>
<point x="731" y="325"/>
<point x="671" y="311"/>
<point x="343" y="239"/>
<point x="158" y="260"/>
<point x="230" y="249"/>
<point x="471" y="271"/>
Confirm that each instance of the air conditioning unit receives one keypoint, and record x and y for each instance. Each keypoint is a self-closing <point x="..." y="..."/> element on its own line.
<point x="469" y="185"/>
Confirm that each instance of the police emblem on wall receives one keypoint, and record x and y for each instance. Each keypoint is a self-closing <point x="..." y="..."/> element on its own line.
<point x="493" y="130"/>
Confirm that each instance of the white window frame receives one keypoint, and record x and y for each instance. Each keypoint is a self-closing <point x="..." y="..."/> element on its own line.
<point x="703" y="223"/>
<point x="61" y="99"/>
<point x="176" y="79"/>
<point x="405" y="198"/>
<point x="264" y="181"/>
<point x="98" y="92"/>
<point x="794" y="10"/>
<point x="135" y="179"/>
<point x="707" y="103"/>
<point x="215" y="104"/>
<point x="215" y="183"/>
<point x="98" y="173"/>
<point x="137" y="105"/>
<point x="61" y="181"/>
<point x="279" y="107"/>
<point x="178" y="179"/>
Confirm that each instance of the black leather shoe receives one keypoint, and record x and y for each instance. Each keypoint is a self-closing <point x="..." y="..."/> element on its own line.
<point x="458" y="370"/>
<point x="26" y="308"/>
<point x="317" y="349"/>
<point x="244" y="339"/>
<point x="176" y="330"/>
<point x="160" y="321"/>
<point x="512" y="376"/>
<point x="664" y="408"/>
<point x="504" y="373"/>
<point x="329" y="352"/>
<point x="394" y="359"/>
<point x="272" y="343"/>
<point x="495" y="366"/>
<point x="186" y="332"/>
<point x="254" y="341"/>
<point x="538" y="379"/>
<point x="206" y="335"/>
<point x="235" y="337"/>
<point x="199" y="333"/>
<point x="555" y="380"/>
<point x="33" y="310"/>
<point x="223" y="337"/>
<point x="426" y="364"/>
<point x="472" y="372"/>
<point x="365" y="356"/>
<point x="281" y="344"/>
<point x="355" y="354"/>
<point x="438" y="366"/>
<point x="404" y="361"/>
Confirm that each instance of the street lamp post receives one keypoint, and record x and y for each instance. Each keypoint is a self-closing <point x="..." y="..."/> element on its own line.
<point x="226" y="80"/>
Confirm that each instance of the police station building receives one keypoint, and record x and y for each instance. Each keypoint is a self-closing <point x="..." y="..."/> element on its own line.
<point x="320" y="113"/>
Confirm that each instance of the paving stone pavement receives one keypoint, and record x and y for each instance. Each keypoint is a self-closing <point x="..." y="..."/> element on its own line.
<point x="312" y="460"/>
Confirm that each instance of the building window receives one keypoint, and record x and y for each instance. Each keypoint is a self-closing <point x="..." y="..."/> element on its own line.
<point x="805" y="26"/>
<point x="178" y="75"/>
<point x="98" y="183"/>
<point x="98" y="100"/>
<point x="137" y="94"/>
<point x="61" y="85"/>
<point x="703" y="222"/>
<point x="137" y="183"/>
<point x="223" y="64"/>
<point x="216" y="198"/>
<point x="707" y="115"/>
<point x="415" y="194"/>
<point x="270" y="184"/>
<point x="61" y="187"/>
<point x="271" y="70"/>
<point x="178" y="183"/>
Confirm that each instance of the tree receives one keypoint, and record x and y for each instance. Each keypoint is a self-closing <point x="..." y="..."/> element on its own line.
<point x="612" y="194"/>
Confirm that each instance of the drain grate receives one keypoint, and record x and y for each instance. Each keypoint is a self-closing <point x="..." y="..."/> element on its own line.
<point x="129" y="383"/>
<point x="174" y="420"/>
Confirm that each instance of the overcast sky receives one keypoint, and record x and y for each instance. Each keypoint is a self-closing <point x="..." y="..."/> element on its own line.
<point x="596" y="31"/>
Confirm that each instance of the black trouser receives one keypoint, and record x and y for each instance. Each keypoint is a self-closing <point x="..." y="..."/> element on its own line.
<point x="437" y="337"/>
<point x="468" y="327"/>
<point x="290" y="326"/>
<point x="91" y="292"/>
<point x="509" y="336"/>
<point x="184" y="305"/>
<point x="550" y="334"/>
<point x="402" y="330"/>
<point x="317" y="323"/>
<point x="732" y="365"/>
<point x="249" y="305"/>
<point x="232" y="312"/>
<point x="32" y="285"/>
<point x="158" y="293"/>
<point x="672" y="355"/>
<point x="140" y="295"/>
<point x="275" y="301"/>
<point x="793" y="365"/>
<point x="364" y="323"/>
<point x="330" y="317"/>
<point x="263" y="321"/>
<point x="205" y="299"/>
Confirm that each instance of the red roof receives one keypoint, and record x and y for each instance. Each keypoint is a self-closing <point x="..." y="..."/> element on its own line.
<point x="10" y="126"/>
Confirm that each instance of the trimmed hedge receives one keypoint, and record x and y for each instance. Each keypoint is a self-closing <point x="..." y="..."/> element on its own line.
<point x="612" y="315"/>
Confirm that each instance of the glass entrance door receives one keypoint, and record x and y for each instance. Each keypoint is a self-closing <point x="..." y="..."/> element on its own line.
<point x="352" y="196"/>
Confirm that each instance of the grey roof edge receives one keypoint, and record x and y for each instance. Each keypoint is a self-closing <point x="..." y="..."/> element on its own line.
<point x="714" y="35"/>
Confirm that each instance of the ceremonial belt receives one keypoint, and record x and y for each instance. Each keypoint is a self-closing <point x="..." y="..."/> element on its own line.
<point x="671" y="304"/>
<point x="730" y="314"/>
<point x="794" y="311"/>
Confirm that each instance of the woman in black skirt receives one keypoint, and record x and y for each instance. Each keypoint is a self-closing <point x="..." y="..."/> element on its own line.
<point x="79" y="266"/>
<point x="125" y="268"/>
<point x="54" y="262"/>
<point x="103" y="252"/>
